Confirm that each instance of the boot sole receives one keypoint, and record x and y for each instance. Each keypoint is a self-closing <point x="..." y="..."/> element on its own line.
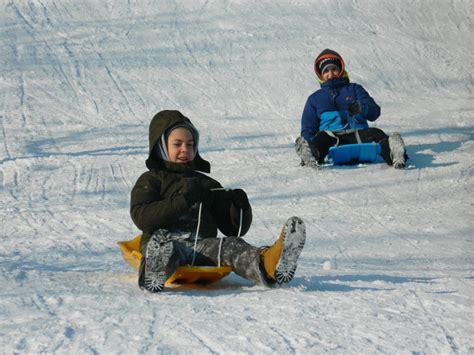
<point x="157" y="258"/>
<point x="294" y="239"/>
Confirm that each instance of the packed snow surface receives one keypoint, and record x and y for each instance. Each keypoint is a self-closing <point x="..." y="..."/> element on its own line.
<point x="388" y="263"/>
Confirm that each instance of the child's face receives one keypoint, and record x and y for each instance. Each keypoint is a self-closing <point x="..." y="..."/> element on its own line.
<point x="180" y="146"/>
<point x="331" y="73"/>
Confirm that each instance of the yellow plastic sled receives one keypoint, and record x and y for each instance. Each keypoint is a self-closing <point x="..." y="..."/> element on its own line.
<point x="183" y="275"/>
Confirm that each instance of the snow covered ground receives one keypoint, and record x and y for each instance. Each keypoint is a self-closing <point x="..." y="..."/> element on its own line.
<point x="79" y="83"/>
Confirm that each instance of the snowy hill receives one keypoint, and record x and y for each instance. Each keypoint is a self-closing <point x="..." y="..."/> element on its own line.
<point x="79" y="83"/>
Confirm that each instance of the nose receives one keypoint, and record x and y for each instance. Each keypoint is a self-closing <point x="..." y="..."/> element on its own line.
<point x="331" y="73"/>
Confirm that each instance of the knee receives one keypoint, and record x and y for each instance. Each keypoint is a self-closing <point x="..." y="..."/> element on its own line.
<point x="377" y="134"/>
<point x="323" y="136"/>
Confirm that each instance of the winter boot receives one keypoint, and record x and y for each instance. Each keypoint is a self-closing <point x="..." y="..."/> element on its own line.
<point x="279" y="260"/>
<point x="153" y="275"/>
<point x="304" y="152"/>
<point x="397" y="150"/>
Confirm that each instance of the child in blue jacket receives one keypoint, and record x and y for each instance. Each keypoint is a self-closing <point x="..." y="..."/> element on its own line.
<point x="334" y="113"/>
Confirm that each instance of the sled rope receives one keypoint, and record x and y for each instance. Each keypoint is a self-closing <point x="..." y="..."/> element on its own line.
<point x="356" y="130"/>
<point x="331" y="133"/>
<point x="197" y="234"/>
<point x="240" y="223"/>
<point x="222" y="239"/>
<point x="219" y="252"/>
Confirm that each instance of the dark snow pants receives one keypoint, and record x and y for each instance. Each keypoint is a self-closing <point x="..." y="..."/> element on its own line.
<point x="234" y="252"/>
<point x="323" y="141"/>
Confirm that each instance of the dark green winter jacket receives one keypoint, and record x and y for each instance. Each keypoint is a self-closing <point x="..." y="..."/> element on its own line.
<point x="161" y="197"/>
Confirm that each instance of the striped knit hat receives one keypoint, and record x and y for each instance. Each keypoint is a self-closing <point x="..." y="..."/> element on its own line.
<point x="326" y="58"/>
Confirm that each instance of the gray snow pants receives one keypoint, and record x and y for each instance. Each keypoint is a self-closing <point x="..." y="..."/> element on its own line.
<point x="234" y="252"/>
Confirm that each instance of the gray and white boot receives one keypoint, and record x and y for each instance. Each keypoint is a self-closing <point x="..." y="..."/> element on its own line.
<point x="280" y="260"/>
<point x="153" y="267"/>
<point x="293" y="243"/>
<point x="397" y="150"/>
<point x="304" y="152"/>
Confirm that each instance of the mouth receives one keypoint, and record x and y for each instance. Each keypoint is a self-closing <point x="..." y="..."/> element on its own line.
<point x="183" y="159"/>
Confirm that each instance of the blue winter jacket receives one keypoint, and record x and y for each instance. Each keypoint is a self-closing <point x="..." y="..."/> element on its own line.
<point x="327" y="108"/>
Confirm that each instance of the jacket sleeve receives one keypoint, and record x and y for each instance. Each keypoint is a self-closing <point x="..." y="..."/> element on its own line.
<point x="227" y="215"/>
<point x="309" y="120"/>
<point x="149" y="210"/>
<point x="370" y="110"/>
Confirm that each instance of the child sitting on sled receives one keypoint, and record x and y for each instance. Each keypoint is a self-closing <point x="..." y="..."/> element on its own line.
<point x="337" y="114"/>
<point x="180" y="210"/>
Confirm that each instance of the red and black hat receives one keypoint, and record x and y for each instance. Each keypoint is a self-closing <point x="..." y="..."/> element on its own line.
<point x="326" y="58"/>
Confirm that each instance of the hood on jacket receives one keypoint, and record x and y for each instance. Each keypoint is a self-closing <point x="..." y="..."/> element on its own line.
<point x="329" y="54"/>
<point x="162" y="124"/>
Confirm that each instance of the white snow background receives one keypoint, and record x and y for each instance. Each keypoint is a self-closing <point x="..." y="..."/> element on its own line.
<point x="79" y="84"/>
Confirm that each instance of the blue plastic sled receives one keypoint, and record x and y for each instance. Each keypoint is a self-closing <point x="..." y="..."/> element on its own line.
<point x="354" y="153"/>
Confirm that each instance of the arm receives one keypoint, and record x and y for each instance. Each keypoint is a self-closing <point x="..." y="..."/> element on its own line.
<point x="149" y="210"/>
<point x="309" y="120"/>
<point x="226" y="211"/>
<point x="370" y="110"/>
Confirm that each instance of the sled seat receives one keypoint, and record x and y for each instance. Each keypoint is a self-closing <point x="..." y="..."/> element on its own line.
<point x="183" y="275"/>
<point x="354" y="153"/>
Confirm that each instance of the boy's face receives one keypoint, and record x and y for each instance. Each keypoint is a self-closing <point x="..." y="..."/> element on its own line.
<point x="180" y="146"/>
<point x="331" y="73"/>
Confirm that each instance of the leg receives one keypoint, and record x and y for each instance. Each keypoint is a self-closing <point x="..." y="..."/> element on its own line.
<point x="393" y="147"/>
<point x="234" y="252"/>
<point x="264" y="266"/>
<point x="376" y="135"/>
<point x="279" y="260"/>
<point x="162" y="255"/>
<point x="372" y="134"/>
<point x="321" y="144"/>
<point x="398" y="153"/>
<point x="304" y="152"/>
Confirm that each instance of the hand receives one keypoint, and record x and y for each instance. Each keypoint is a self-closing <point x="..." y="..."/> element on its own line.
<point x="354" y="108"/>
<point x="194" y="192"/>
<point x="240" y="199"/>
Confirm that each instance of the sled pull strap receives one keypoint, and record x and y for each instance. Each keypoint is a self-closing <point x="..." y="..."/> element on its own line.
<point x="197" y="233"/>
<point x="331" y="134"/>
<point x="222" y="239"/>
<point x="356" y="130"/>
<point x="240" y="223"/>
<point x="219" y="252"/>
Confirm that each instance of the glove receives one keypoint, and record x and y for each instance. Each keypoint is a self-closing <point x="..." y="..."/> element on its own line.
<point x="354" y="108"/>
<point x="194" y="192"/>
<point x="240" y="200"/>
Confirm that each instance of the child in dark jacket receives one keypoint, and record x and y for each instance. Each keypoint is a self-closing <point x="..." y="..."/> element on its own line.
<point x="337" y="114"/>
<point x="180" y="210"/>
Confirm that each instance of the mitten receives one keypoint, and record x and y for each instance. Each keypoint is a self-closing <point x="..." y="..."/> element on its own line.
<point x="194" y="192"/>
<point x="240" y="200"/>
<point x="354" y="108"/>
